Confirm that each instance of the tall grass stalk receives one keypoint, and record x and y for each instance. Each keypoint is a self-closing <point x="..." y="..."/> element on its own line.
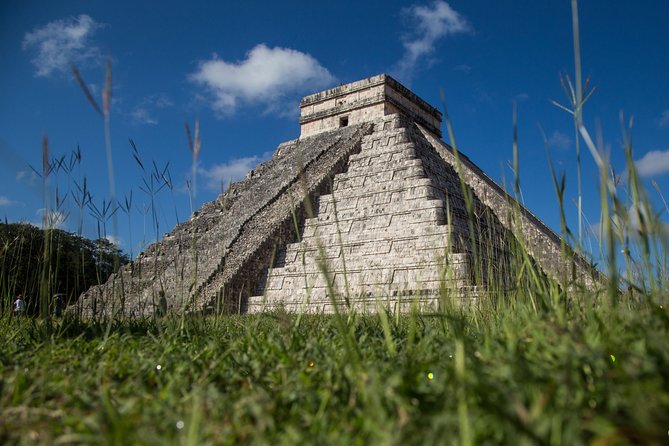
<point x="578" y="112"/>
<point x="529" y="364"/>
<point x="345" y="332"/>
<point x="45" y="282"/>
<point x="105" y="112"/>
<point x="466" y="191"/>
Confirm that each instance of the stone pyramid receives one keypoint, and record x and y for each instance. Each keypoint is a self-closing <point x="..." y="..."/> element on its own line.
<point x="367" y="207"/>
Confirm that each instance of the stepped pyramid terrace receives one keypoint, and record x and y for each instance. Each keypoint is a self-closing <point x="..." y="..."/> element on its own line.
<point x="369" y="206"/>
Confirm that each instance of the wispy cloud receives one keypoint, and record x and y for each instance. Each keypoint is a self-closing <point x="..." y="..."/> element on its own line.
<point x="219" y="175"/>
<point x="4" y="201"/>
<point x="146" y="110"/>
<point x="428" y="24"/>
<point x="27" y="175"/>
<point x="62" y="42"/>
<point x="141" y="115"/>
<point x="265" y="77"/>
<point x="288" y="108"/>
<point x="463" y="67"/>
<point x="559" y="140"/>
<point x="160" y="100"/>
<point x="653" y="163"/>
<point x="664" y="119"/>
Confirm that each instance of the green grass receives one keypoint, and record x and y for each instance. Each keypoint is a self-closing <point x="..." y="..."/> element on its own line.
<point x="514" y="376"/>
<point x="531" y="363"/>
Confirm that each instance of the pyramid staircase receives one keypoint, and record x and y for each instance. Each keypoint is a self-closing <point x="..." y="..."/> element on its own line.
<point x="381" y="236"/>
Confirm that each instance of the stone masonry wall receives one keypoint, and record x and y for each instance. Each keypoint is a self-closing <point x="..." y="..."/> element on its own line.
<point x="272" y="226"/>
<point x="555" y="258"/>
<point x="395" y="230"/>
<point x="192" y="253"/>
<point x="373" y="207"/>
<point x="380" y="235"/>
<point x="364" y="101"/>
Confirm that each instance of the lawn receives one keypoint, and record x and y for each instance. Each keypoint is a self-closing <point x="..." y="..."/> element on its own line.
<point x="530" y="363"/>
<point x="583" y="373"/>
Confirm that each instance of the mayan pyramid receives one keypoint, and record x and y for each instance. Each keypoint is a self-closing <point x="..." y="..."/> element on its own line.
<point x="368" y="206"/>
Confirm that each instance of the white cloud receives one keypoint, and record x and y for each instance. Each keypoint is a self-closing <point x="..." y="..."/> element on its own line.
<point x="664" y="119"/>
<point x="114" y="240"/>
<point x="559" y="140"/>
<point x="428" y="24"/>
<point x="141" y="115"/>
<point x="219" y="175"/>
<point x="653" y="163"/>
<point x="264" y="77"/>
<point x="4" y="201"/>
<point x="62" y="42"/>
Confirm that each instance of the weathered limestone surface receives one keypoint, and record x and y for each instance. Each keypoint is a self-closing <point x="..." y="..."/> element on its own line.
<point x="368" y="207"/>
<point x="544" y="245"/>
<point x="381" y="232"/>
<point x="364" y="101"/>
<point x="394" y="230"/>
<point x="218" y="238"/>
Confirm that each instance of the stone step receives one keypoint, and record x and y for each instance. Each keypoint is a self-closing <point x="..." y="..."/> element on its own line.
<point x="376" y="157"/>
<point x="395" y="242"/>
<point x="364" y="212"/>
<point x="398" y="300"/>
<point x="363" y="199"/>
<point x="430" y="216"/>
<point x="370" y="189"/>
<point x="380" y="170"/>
<point x="396" y="174"/>
<point x="391" y="233"/>
<point x="380" y="268"/>
<point x="361" y="254"/>
<point x="384" y="136"/>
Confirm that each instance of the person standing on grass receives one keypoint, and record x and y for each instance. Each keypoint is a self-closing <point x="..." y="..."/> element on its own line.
<point x="161" y="310"/>
<point x="58" y="305"/>
<point x="19" y="305"/>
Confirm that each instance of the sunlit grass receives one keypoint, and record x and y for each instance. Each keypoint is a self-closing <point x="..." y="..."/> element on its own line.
<point x="512" y="376"/>
<point x="535" y="361"/>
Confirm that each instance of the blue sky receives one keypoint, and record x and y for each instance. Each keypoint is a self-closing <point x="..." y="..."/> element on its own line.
<point x="241" y="68"/>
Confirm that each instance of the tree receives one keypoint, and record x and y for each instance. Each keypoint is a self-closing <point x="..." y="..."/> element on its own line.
<point x="39" y="262"/>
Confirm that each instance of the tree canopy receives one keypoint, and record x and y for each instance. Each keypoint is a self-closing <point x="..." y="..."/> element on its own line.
<point x="37" y="262"/>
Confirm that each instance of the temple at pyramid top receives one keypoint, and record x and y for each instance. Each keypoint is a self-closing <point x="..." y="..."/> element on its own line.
<point x="364" y="101"/>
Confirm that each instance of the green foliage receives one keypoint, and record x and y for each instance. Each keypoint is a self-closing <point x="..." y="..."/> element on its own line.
<point x="514" y="376"/>
<point x="531" y="362"/>
<point x="70" y="263"/>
